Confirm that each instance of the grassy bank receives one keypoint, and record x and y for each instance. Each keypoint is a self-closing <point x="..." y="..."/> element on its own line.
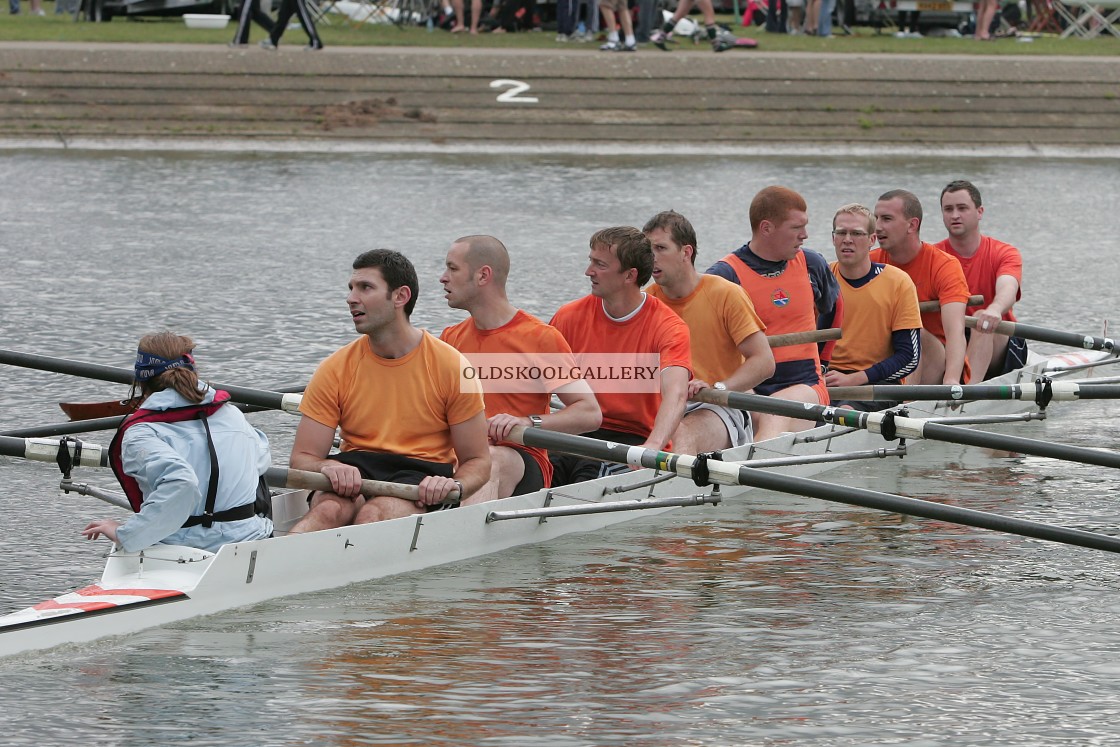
<point x="339" y="32"/>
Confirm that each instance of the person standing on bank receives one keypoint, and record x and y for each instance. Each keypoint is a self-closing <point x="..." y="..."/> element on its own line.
<point x="284" y="15"/>
<point x="188" y="460"/>
<point x="250" y="11"/>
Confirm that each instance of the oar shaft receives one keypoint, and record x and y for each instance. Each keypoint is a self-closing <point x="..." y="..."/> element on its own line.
<point x="1059" y="391"/>
<point x="730" y="473"/>
<point x="94" y="424"/>
<point x="800" y="338"/>
<point x="1043" y="334"/>
<point x="905" y="427"/>
<point x="303" y="480"/>
<point x="926" y="509"/>
<point x="927" y="306"/>
<point x="260" y="397"/>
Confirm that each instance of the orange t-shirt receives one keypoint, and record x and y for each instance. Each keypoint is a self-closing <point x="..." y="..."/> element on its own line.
<point x="937" y="277"/>
<point x="992" y="259"/>
<point x="653" y="329"/>
<point x="521" y="337"/>
<point x="871" y="313"/>
<point x="400" y="406"/>
<point x="719" y="313"/>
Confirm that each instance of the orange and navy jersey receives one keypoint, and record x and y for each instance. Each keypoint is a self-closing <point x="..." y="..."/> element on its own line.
<point x="877" y="307"/>
<point x="794" y="296"/>
<point x="653" y="329"/>
<point x="992" y="259"/>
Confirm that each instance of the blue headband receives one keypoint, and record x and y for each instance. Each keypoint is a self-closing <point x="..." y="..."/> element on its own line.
<point x="149" y="366"/>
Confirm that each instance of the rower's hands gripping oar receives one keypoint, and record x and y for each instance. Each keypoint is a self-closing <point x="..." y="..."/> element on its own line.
<point x="892" y="425"/>
<point x="303" y="480"/>
<point x="712" y="471"/>
<point x="246" y="395"/>
<point x="1044" y="334"/>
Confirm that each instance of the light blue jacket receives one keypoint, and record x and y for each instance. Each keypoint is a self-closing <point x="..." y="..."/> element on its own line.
<point x="171" y="463"/>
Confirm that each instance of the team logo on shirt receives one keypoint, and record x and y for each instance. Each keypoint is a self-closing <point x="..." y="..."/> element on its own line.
<point x="779" y="298"/>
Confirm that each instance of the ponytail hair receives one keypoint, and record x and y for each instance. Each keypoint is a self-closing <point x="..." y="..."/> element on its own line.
<point x="164" y="361"/>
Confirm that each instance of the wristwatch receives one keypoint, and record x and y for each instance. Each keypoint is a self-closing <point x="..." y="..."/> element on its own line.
<point x="719" y="386"/>
<point x="536" y="420"/>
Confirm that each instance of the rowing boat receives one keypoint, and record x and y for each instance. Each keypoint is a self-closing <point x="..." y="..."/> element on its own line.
<point x="163" y="584"/>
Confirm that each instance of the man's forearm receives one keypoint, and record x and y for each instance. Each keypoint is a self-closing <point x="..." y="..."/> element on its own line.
<point x="473" y="474"/>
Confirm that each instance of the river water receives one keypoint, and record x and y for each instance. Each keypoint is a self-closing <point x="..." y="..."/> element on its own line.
<point x="769" y="621"/>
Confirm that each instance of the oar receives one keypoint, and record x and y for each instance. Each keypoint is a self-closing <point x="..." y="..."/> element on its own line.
<point x="892" y="426"/>
<point x="834" y="333"/>
<point x="734" y="473"/>
<point x="96" y="424"/>
<point x="260" y="397"/>
<point x="93" y="455"/>
<point x="927" y="306"/>
<point x="303" y="480"/>
<point x="800" y="338"/>
<point x="1043" y="334"/>
<point x="1058" y="391"/>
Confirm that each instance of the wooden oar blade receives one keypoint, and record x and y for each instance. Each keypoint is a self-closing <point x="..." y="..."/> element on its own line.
<point x="95" y="410"/>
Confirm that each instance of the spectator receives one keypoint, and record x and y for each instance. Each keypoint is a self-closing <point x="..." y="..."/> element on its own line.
<point x="612" y="9"/>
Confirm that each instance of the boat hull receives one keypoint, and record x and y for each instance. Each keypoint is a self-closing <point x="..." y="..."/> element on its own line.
<point x="165" y="584"/>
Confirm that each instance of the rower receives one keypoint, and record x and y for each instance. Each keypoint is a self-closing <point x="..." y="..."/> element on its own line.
<point x="638" y="349"/>
<point x="792" y="290"/>
<point x="735" y="354"/>
<point x="936" y="276"/>
<point x="881" y="342"/>
<point x="499" y="337"/>
<point x="188" y="460"/>
<point x="406" y="412"/>
<point x="994" y="270"/>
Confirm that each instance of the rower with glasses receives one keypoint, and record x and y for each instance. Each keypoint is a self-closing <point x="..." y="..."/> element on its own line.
<point x="881" y="341"/>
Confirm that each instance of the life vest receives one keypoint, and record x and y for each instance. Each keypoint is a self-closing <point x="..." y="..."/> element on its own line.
<point x="784" y="303"/>
<point x="175" y="415"/>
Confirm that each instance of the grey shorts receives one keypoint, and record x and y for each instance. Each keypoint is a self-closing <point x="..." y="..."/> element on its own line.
<point x="737" y="422"/>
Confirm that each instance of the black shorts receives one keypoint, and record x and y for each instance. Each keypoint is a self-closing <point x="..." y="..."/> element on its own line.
<point x="533" y="479"/>
<point x="569" y="468"/>
<point x="375" y="465"/>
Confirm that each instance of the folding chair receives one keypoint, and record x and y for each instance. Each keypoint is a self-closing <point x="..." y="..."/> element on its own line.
<point x="1089" y="19"/>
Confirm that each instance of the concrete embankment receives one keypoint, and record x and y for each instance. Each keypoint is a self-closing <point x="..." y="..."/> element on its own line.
<point x="75" y="94"/>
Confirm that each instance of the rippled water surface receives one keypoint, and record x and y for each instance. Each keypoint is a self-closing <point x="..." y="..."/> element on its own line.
<point x="769" y="620"/>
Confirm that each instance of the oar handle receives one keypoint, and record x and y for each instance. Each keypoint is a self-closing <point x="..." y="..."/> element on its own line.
<point x="1043" y="334"/>
<point x="304" y="480"/>
<point x="800" y="338"/>
<point x="927" y="306"/>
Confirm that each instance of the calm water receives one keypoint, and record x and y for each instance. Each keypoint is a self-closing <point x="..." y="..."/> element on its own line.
<point x="771" y="622"/>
